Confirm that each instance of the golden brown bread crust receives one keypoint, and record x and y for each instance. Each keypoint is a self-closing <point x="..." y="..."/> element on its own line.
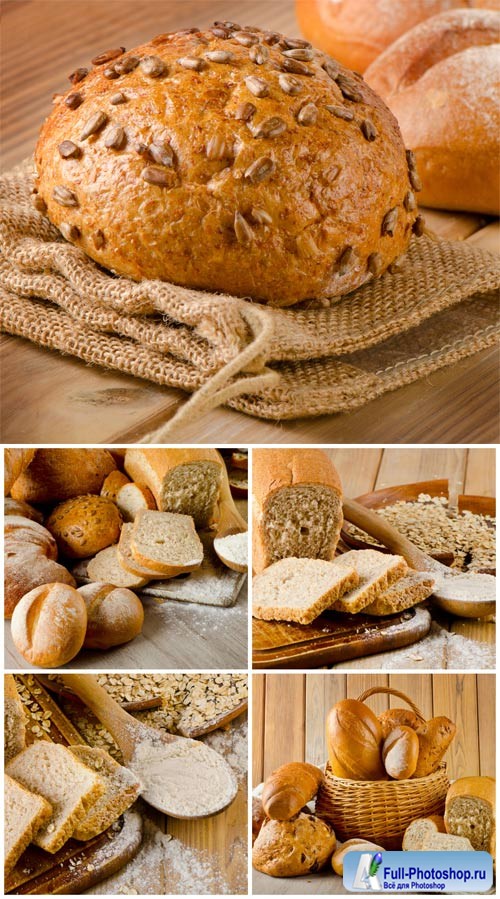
<point x="354" y="741"/>
<point x="229" y="172"/>
<point x="49" y="624"/>
<point x="114" y="615"/>
<point x="288" y="789"/>
<point x="15" y="462"/>
<point x="301" y="845"/>
<point x="84" y="525"/>
<point x="57" y="474"/>
<point x="441" y="81"/>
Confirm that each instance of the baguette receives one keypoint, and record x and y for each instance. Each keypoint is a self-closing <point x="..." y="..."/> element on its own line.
<point x="288" y="789"/>
<point x="296" y="507"/>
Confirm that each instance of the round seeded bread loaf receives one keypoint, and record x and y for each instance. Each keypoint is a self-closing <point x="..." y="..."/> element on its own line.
<point x="231" y="159"/>
<point x="301" y="845"/>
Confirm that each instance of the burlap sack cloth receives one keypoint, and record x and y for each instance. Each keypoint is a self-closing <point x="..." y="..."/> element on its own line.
<point x="439" y="307"/>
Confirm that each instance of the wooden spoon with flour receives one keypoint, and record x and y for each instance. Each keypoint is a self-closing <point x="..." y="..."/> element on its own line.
<point x="182" y="778"/>
<point x="231" y="538"/>
<point x="466" y="594"/>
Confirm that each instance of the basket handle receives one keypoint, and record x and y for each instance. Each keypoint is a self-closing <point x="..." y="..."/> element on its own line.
<point x="392" y="692"/>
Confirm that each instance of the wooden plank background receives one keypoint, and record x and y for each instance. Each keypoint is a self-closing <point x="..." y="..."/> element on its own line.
<point x="289" y="713"/>
<point x="76" y="402"/>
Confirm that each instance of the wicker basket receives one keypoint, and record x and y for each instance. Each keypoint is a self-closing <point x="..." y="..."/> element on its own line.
<point x="380" y="810"/>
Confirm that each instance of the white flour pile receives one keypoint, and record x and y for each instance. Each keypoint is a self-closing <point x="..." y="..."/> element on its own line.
<point x="184" y="778"/>
<point x="233" y="548"/>
<point x="232" y="743"/>
<point x="468" y="587"/>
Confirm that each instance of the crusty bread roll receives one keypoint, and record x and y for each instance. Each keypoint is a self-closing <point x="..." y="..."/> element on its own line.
<point x="18" y="507"/>
<point x="114" y="615"/>
<point x="49" y="625"/>
<point x="355" y="845"/>
<point x="84" y="525"/>
<point x="296" y="505"/>
<point x="442" y="82"/>
<point x="356" y="31"/>
<point x="30" y="554"/>
<point x="392" y="718"/>
<point x="57" y="474"/>
<point x="434" y="737"/>
<point x="112" y="483"/>
<point x="354" y="741"/>
<point x="288" y="789"/>
<point x="15" y="462"/>
<point x="301" y="845"/>
<point x="230" y="159"/>
<point x="400" y="752"/>
<point x="258" y="817"/>
<point x="470" y="811"/>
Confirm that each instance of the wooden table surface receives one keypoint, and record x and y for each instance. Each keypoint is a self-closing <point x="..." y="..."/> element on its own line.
<point x="469" y="471"/>
<point x="301" y="702"/>
<point x="48" y="397"/>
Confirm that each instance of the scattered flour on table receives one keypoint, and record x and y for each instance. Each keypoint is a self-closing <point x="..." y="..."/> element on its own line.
<point x="232" y="743"/>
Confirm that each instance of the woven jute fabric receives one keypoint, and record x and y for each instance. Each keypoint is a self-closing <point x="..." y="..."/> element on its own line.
<point x="439" y="306"/>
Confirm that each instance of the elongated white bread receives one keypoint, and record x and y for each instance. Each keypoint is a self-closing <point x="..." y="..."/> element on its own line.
<point x="14" y="731"/>
<point x="58" y="474"/>
<point x="24" y="814"/>
<point x="376" y="572"/>
<point x="122" y="788"/>
<point x="167" y="542"/>
<point x="421" y="828"/>
<point x="181" y="480"/>
<point x="299" y="589"/>
<point x="296" y="505"/>
<point x="107" y="568"/>
<point x="403" y="594"/>
<point x="71" y="788"/>
<point x="470" y="811"/>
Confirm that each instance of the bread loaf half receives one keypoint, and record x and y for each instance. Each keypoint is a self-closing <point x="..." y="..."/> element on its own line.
<point x="470" y="811"/>
<point x="441" y="80"/>
<point x="400" y="752"/>
<point x="354" y="741"/>
<point x="58" y="474"/>
<point x="296" y="505"/>
<point x="288" y="789"/>
<point x="296" y="185"/>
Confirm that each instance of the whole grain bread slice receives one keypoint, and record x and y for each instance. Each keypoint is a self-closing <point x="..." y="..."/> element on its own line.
<point x="71" y="788"/>
<point x="166" y="542"/>
<point x="127" y="560"/>
<point x="421" y="828"/>
<point x="299" y="589"/>
<point x="122" y="789"/>
<point x="376" y="572"/>
<point x="24" y="814"/>
<point x="403" y="594"/>
<point x="106" y="567"/>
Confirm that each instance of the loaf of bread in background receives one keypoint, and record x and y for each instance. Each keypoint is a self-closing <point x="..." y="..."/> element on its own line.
<point x="58" y="474"/>
<point x="181" y="480"/>
<point x="18" y="507"/>
<point x="289" y="788"/>
<point x="354" y="741"/>
<point x="357" y="31"/>
<point x="470" y="811"/>
<point x="296" y="506"/>
<point x="301" y="845"/>
<point x="15" y="462"/>
<point x="392" y="718"/>
<point x="442" y="81"/>
<point x="434" y="737"/>
<point x="49" y="625"/>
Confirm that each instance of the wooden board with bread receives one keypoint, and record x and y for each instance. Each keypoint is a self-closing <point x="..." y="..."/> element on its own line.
<point x="111" y="527"/>
<point x="315" y="601"/>
<point x="72" y="816"/>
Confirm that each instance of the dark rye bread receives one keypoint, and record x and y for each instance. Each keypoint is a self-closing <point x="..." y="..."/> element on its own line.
<point x="296" y="505"/>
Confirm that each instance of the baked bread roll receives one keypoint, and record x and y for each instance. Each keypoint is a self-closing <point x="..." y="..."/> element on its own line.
<point x="15" y="462"/>
<point x="296" y="506"/>
<point x="301" y="845"/>
<point x="84" y="525"/>
<point x="58" y="474"/>
<point x="442" y="82"/>
<point x="355" y="845"/>
<point x="434" y="737"/>
<point x="356" y="31"/>
<point x="254" y="165"/>
<point x="354" y="741"/>
<point x="114" y="615"/>
<point x="470" y="811"/>
<point x="400" y="752"/>
<point x="18" y="507"/>
<point x="30" y="554"/>
<point x="288" y="789"/>
<point x="258" y="817"/>
<point x="392" y="718"/>
<point x="49" y="625"/>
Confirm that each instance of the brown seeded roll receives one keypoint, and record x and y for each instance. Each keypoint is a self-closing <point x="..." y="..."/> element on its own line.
<point x="301" y="845"/>
<point x="84" y="525"/>
<point x="114" y="615"/>
<point x="233" y="160"/>
<point x="49" y="624"/>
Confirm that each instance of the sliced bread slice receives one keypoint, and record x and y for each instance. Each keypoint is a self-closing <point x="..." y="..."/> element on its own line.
<point x="299" y="589"/>
<point x="446" y="842"/>
<point x="132" y="499"/>
<point x="122" y="789"/>
<point x="404" y="594"/>
<point x="106" y="567"/>
<point x="166" y="542"/>
<point x="14" y="731"/>
<point x="69" y="786"/>
<point x="376" y="572"/>
<point x="24" y="814"/>
<point x="127" y="561"/>
<point x="420" y="829"/>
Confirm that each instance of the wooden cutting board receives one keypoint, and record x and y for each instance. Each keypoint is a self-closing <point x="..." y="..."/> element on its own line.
<point x="77" y="866"/>
<point x="334" y="638"/>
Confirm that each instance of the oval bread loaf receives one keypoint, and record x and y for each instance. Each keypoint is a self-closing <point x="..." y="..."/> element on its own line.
<point x="434" y="737"/>
<point x="49" y="625"/>
<point x="400" y="752"/>
<point x="233" y="160"/>
<point x="354" y="741"/>
<point x="84" y="525"/>
<point x="114" y="615"/>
